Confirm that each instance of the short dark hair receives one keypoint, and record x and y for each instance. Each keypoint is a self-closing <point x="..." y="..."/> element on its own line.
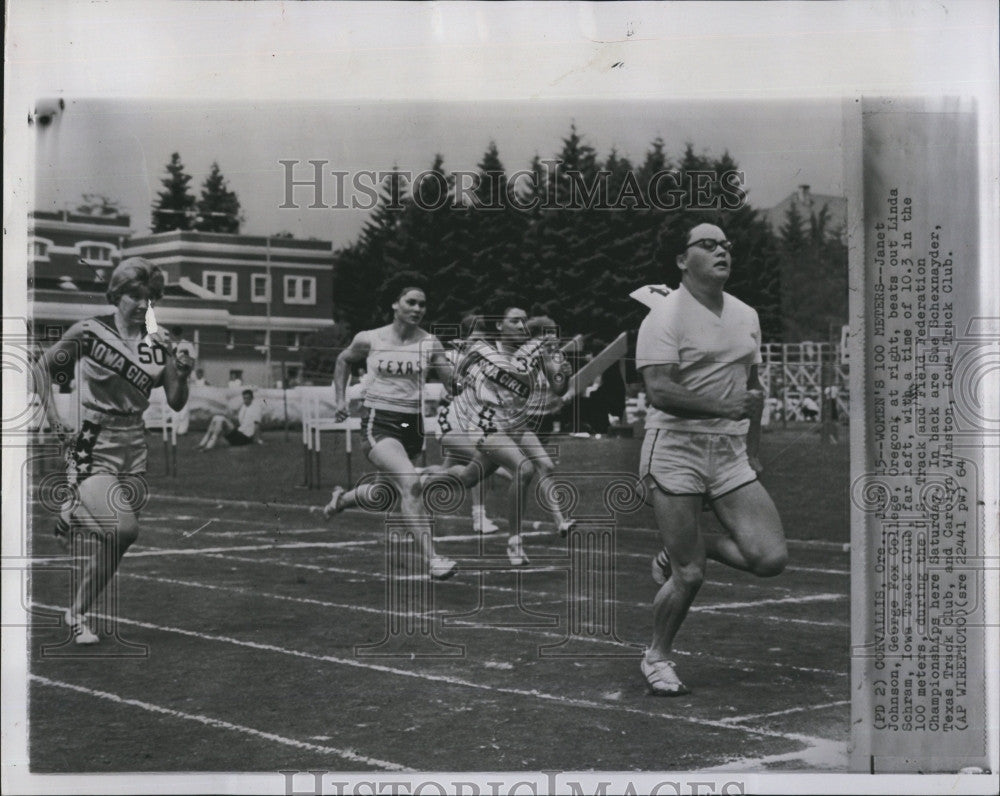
<point x="248" y="392"/>
<point x="407" y="289"/>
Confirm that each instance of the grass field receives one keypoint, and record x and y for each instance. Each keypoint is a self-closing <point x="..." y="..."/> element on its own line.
<point x="243" y="619"/>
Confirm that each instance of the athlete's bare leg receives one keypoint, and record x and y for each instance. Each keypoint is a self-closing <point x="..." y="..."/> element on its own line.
<point x="393" y="463"/>
<point x="756" y="539"/>
<point x="500" y="449"/>
<point x="544" y="466"/>
<point x="677" y="517"/>
<point x="107" y="528"/>
<point x="753" y="540"/>
<point x="218" y="426"/>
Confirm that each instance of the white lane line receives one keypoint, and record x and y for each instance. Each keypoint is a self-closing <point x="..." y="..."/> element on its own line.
<point x="145" y="552"/>
<point x="272" y="532"/>
<point x="467" y="624"/>
<point x="223" y="554"/>
<point x="209" y="721"/>
<point x="801" y="709"/>
<point x="817" y="570"/>
<point x="256" y="504"/>
<point x="447" y="679"/>
<point x="808" y="598"/>
<point x="368" y="575"/>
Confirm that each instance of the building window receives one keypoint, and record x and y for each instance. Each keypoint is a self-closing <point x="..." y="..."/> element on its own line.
<point x="258" y="288"/>
<point x="40" y="249"/>
<point x="300" y="290"/>
<point x="222" y="283"/>
<point x="230" y="340"/>
<point x="95" y="252"/>
<point x="292" y="340"/>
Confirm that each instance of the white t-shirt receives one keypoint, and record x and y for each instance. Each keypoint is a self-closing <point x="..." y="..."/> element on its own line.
<point x="248" y="415"/>
<point x="715" y="354"/>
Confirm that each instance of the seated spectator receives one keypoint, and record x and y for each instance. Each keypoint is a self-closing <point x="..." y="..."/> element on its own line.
<point x="809" y="409"/>
<point x="244" y="430"/>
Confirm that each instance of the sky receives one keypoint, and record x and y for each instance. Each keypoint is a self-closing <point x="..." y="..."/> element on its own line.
<point x="119" y="148"/>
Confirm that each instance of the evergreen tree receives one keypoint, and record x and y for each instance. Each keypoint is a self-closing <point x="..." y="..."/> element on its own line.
<point x="814" y="275"/>
<point x="575" y="255"/>
<point x="174" y="206"/>
<point x="320" y="350"/>
<point x="218" y="208"/>
<point x="360" y="270"/>
<point x="96" y="204"/>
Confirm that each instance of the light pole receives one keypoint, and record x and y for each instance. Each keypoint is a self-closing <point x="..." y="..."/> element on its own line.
<point x="267" y="328"/>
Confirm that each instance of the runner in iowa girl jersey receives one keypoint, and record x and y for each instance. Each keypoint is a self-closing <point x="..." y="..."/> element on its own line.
<point x="488" y="422"/>
<point x="119" y="366"/>
<point x="398" y="358"/>
<point x="493" y="387"/>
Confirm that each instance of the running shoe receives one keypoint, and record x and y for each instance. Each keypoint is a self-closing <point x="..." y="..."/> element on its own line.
<point x="661" y="568"/>
<point x="515" y="552"/>
<point x="82" y="634"/>
<point x="333" y="507"/>
<point x="481" y="523"/>
<point x="662" y="679"/>
<point x="442" y="568"/>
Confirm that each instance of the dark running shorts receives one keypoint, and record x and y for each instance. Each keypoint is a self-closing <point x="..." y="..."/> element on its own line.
<point x="235" y="437"/>
<point x="379" y="424"/>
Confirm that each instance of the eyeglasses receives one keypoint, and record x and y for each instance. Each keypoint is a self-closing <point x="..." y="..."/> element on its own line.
<point x="709" y="245"/>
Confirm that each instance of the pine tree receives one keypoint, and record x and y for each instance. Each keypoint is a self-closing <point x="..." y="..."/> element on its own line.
<point x="320" y="350"/>
<point x="174" y="207"/>
<point x="218" y="208"/>
<point x="360" y="270"/>
<point x="814" y="275"/>
<point x="96" y="204"/>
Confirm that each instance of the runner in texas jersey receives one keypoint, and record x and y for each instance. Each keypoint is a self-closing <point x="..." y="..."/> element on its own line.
<point x="397" y="357"/>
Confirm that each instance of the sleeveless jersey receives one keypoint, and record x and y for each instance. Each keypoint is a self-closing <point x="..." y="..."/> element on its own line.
<point x="116" y="376"/>
<point x="488" y="382"/>
<point x="544" y="400"/>
<point x="396" y="371"/>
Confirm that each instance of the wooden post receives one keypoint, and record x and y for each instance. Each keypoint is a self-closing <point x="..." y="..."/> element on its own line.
<point x="784" y="385"/>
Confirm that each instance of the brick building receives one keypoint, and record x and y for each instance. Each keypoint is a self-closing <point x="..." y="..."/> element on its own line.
<point x="244" y="302"/>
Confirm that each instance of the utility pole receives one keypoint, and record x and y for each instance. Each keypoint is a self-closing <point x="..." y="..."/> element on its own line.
<point x="267" y="330"/>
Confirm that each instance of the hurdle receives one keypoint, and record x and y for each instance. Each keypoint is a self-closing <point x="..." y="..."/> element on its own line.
<point x="159" y="415"/>
<point x="313" y="426"/>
